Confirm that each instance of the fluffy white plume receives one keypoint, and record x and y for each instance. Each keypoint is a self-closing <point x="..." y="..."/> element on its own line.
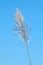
<point x="20" y="28"/>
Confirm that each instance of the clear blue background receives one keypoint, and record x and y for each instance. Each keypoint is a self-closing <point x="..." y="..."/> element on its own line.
<point x="12" y="48"/>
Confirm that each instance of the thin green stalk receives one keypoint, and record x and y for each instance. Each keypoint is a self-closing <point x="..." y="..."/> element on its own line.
<point x="28" y="54"/>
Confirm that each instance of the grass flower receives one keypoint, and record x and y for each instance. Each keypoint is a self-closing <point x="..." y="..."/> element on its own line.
<point x="21" y="30"/>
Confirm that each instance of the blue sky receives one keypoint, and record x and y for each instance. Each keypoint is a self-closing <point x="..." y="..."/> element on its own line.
<point x="12" y="48"/>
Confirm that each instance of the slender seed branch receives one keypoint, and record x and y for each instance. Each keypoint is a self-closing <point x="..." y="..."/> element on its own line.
<point x="28" y="54"/>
